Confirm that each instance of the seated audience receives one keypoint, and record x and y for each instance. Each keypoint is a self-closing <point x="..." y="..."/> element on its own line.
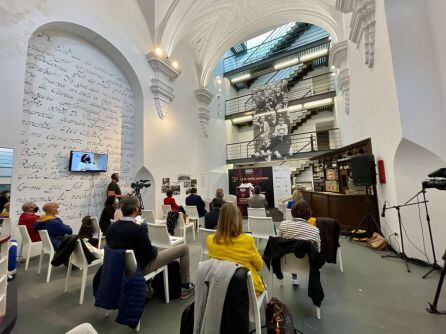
<point x="4" y="198"/>
<point x="107" y="213"/>
<point x="28" y="218"/>
<point x="219" y="193"/>
<point x="195" y="200"/>
<point x="54" y="225"/>
<point x="230" y="244"/>
<point x="257" y="200"/>
<point x="126" y="233"/>
<point x="299" y="229"/>
<point x="298" y="196"/>
<point x="87" y="231"/>
<point x="211" y="218"/>
<point x="5" y="211"/>
<point x="169" y="200"/>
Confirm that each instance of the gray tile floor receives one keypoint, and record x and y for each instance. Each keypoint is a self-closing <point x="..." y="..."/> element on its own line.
<point x="371" y="296"/>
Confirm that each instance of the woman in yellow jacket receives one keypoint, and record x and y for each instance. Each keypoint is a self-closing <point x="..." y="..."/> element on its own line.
<point x="230" y="244"/>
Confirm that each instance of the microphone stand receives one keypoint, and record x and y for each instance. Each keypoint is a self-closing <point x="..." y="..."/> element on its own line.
<point x="402" y="255"/>
<point x="435" y="265"/>
<point x="433" y="307"/>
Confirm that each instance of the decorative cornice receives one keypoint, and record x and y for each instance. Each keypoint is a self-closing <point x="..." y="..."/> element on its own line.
<point x="162" y="64"/>
<point x="204" y="96"/>
<point x="338" y="55"/>
<point x="163" y="96"/>
<point x="344" y="87"/>
<point x="344" y="6"/>
<point x="362" y="26"/>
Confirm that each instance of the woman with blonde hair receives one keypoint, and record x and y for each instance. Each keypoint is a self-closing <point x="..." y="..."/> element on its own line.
<point x="230" y="244"/>
<point x="298" y="197"/>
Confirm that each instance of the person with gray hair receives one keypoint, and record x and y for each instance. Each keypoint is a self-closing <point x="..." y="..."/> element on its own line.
<point x="128" y="233"/>
<point x="28" y="218"/>
<point x="219" y="194"/>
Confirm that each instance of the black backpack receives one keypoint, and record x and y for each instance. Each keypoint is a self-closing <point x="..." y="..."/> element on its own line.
<point x="174" y="281"/>
<point x="278" y="318"/>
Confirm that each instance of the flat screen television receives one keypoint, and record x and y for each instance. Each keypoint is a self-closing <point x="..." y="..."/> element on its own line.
<point x="81" y="161"/>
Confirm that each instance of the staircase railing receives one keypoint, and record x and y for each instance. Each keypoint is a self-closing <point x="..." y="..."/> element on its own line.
<point x="253" y="54"/>
<point x="312" y="86"/>
<point x="299" y="143"/>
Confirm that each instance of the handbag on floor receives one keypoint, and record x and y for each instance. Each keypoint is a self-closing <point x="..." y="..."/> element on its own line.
<point x="278" y="318"/>
<point x="377" y="242"/>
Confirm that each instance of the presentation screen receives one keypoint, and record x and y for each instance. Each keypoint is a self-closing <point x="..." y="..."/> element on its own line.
<point x="81" y="161"/>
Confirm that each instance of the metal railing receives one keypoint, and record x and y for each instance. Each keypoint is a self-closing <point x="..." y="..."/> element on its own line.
<point x="312" y="86"/>
<point x="284" y="146"/>
<point x="262" y="51"/>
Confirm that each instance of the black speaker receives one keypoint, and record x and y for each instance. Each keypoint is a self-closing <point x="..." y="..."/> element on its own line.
<point x="363" y="170"/>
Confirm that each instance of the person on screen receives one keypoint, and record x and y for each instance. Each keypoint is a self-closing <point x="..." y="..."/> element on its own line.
<point x="113" y="188"/>
<point x="85" y="164"/>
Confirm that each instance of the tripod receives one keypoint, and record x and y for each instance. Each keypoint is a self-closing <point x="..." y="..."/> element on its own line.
<point x="137" y="194"/>
<point x="368" y="194"/>
<point x="435" y="265"/>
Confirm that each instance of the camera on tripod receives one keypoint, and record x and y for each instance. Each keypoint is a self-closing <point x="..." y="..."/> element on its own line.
<point x="137" y="186"/>
<point x="437" y="180"/>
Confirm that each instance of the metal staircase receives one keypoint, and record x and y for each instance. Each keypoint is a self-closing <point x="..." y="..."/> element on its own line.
<point x="301" y="166"/>
<point x="305" y="115"/>
<point x="286" y="40"/>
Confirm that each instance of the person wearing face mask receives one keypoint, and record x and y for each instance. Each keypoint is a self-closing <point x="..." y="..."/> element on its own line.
<point x="54" y="225"/>
<point x="28" y="218"/>
<point x="85" y="164"/>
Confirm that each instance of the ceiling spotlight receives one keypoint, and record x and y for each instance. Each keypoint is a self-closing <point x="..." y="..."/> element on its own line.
<point x="175" y="64"/>
<point x="159" y="52"/>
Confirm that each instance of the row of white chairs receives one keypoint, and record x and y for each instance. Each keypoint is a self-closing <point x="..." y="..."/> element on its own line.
<point x="77" y="258"/>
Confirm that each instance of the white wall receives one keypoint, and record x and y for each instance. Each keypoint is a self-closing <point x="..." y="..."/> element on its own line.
<point x="374" y="110"/>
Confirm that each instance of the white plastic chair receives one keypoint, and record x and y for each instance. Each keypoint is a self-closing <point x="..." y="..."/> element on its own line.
<point x="183" y="227"/>
<point x="97" y="230"/>
<point x="159" y="237"/>
<point x="261" y="228"/>
<point x="204" y="235"/>
<point x="192" y="213"/>
<point x="149" y="217"/>
<point x="166" y="209"/>
<point x="288" y="215"/>
<point x="26" y="243"/>
<point x="339" y="253"/>
<point x="291" y="264"/>
<point x="78" y="259"/>
<point x="255" y="304"/>
<point x="130" y="269"/>
<point x="256" y="212"/>
<point x="47" y="248"/>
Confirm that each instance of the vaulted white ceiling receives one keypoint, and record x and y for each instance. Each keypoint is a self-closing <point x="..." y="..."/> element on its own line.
<point x="211" y="27"/>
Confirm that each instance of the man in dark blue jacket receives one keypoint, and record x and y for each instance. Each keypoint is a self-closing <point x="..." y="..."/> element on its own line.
<point x="54" y="225"/>
<point x="195" y="200"/>
<point x="127" y="233"/>
<point x="211" y="218"/>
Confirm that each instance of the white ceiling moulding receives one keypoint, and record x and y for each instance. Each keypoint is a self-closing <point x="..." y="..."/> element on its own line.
<point x="344" y="6"/>
<point x="204" y="98"/>
<point x="164" y="71"/>
<point x="362" y="27"/>
<point x="338" y="59"/>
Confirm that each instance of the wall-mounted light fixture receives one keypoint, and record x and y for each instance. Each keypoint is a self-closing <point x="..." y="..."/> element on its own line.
<point x="241" y="78"/>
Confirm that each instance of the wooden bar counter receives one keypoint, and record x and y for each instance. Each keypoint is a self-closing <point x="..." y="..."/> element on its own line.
<point x="348" y="210"/>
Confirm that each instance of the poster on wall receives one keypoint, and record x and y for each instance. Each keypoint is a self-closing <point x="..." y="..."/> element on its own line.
<point x="176" y="189"/>
<point x="187" y="184"/>
<point x="164" y="189"/>
<point x="281" y="182"/>
<point x="183" y="177"/>
<point x="166" y="181"/>
<point x="262" y="177"/>
<point x="193" y="183"/>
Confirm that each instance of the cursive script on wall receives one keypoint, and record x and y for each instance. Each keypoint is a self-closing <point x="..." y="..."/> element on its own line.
<point x="75" y="98"/>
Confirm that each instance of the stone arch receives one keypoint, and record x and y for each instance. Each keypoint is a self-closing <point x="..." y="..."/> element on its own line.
<point x="411" y="165"/>
<point x="148" y="194"/>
